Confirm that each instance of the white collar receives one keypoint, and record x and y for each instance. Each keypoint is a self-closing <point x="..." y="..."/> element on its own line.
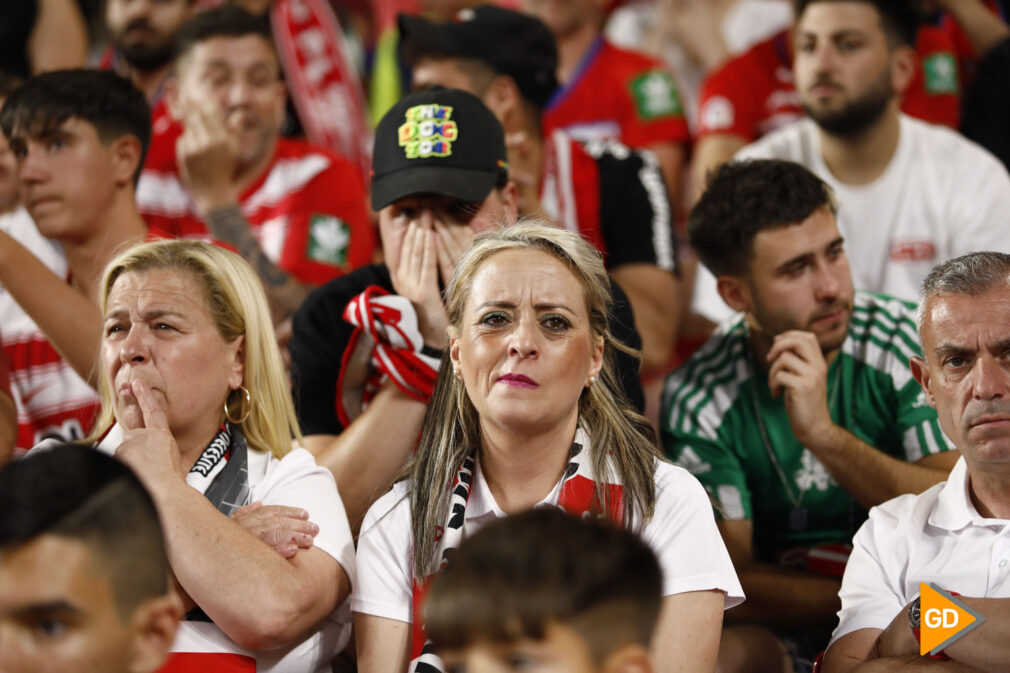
<point x="111" y="440"/>
<point x="954" y="509"/>
<point x="482" y="502"/>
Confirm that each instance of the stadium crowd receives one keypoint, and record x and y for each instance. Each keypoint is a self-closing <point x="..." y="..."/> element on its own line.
<point x="341" y="283"/>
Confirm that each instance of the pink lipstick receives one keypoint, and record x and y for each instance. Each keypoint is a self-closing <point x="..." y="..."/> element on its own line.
<point x="518" y="381"/>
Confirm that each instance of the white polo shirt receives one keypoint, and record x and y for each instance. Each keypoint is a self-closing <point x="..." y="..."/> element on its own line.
<point x="682" y="533"/>
<point x="937" y="536"/>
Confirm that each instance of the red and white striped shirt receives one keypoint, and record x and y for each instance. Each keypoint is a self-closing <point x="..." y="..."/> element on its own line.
<point x="52" y="400"/>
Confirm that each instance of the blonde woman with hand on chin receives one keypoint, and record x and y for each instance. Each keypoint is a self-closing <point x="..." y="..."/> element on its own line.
<point x="196" y="402"/>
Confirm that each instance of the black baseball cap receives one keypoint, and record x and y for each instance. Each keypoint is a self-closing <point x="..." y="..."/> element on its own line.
<point x="438" y="141"/>
<point x="513" y="43"/>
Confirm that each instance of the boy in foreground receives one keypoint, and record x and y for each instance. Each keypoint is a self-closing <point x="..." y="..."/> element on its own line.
<point x="546" y="591"/>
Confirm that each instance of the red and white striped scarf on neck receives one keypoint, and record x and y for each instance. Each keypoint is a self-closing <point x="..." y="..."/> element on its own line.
<point x="577" y="496"/>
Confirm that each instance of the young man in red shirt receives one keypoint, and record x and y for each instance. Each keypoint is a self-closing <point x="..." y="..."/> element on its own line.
<point x="610" y="93"/>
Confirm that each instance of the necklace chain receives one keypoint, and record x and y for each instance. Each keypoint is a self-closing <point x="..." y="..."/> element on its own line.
<point x="766" y="440"/>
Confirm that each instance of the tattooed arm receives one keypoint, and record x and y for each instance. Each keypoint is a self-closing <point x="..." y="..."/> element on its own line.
<point x="284" y="292"/>
<point x="207" y="155"/>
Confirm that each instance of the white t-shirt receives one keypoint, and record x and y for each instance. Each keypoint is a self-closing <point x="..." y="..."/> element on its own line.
<point x="682" y="533"/>
<point x="295" y="481"/>
<point x="20" y="226"/>
<point x="940" y="197"/>
<point x="937" y="536"/>
<point x="745" y="24"/>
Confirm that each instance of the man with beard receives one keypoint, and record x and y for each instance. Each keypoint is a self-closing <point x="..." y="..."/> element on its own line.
<point x="910" y="194"/>
<point x="953" y="536"/>
<point x="143" y="33"/>
<point x="800" y="414"/>
<point x="295" y="211"/>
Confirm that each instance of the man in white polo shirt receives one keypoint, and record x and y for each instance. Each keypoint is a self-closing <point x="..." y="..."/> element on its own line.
<point x="956" y="535"/>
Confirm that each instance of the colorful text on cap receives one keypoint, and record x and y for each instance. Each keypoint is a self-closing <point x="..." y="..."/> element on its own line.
<point x="428" y="131"/>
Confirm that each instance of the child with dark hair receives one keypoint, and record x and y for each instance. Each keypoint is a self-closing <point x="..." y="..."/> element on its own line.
<point x="548" y="589"/>
<point x="83" y="569"/>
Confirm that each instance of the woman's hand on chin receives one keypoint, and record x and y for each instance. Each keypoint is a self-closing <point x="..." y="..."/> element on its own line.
<point x="149" y="448"/>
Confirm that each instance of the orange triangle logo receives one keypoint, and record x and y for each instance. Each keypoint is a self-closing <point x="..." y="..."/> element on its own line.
<point x="942" y="619"/>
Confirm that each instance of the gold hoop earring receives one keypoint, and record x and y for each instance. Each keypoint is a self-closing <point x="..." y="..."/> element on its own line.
<point x="248" y="406"/>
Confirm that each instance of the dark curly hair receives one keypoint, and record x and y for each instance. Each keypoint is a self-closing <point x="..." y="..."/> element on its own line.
<point x="105" y="100"/>
<point x="745" y="197"/>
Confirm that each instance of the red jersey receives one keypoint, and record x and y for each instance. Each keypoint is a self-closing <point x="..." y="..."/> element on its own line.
<point x="754" y="92"/>
<point x="966" y="54"/>
<point x="52" y="400"/>
<point x="5" y="371"/>
<point x="618" y="95"/>
<point x="613" y="196"/>
<point x="307" y="211"/>
<point x="165" y="131"/>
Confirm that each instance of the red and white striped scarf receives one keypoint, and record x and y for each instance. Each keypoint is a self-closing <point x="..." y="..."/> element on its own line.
<point x="386" y="345"/>
<point x="323" y="80"/>
<point x="576" y="496"/>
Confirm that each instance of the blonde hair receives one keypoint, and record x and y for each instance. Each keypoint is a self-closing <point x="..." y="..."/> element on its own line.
<point x="623" y="442"/>
<point x="238" y="306"/>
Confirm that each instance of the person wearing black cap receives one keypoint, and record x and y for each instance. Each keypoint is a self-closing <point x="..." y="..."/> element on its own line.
<point x="365" y="346"/>
<point x="608" y="92"/>
<point x="612" y="195"/>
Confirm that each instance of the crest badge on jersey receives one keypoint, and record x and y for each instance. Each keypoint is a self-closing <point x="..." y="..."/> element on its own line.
<point x="655" y="95"/>
<point x="717" y="113"/>
<point x="940" y="73"/>
<point x="329" y="238"/>
<point x="812" y="474"/>
<point x="428" y="131"/>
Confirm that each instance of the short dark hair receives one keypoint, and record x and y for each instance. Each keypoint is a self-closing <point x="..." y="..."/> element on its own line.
<point x="745" y="197"/>
<point x="102" y="98"/>
<point x="478" y="72"/>
<point x="518" y="574"/>
<point x="900" y="19"/>
<point x="79" y="493"/>
<point x="224" y="21"/>
<point x="9" y="83"/>
<point x="511" y="43"/>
